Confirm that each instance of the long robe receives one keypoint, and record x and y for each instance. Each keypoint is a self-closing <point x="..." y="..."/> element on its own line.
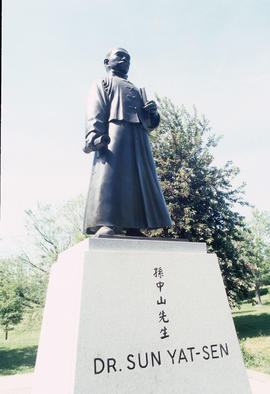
<point x="124" y="190"/>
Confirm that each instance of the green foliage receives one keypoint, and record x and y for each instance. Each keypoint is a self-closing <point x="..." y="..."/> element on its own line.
<point x="259" y="228"/>
<point x="11" y="306"/>
<point x="53" y="229"/>
<point x="257" y="249"/>
<point x="199" y="195"/>
<point x="263" y="291"/>
<point x="18" y="292"/>
<point x="23" y="279"/>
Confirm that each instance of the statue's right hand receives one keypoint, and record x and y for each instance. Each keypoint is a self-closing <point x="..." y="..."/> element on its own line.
<point x="89" y="143"/>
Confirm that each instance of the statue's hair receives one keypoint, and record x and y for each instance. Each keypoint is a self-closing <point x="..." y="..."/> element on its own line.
<point x="108" y="54"/>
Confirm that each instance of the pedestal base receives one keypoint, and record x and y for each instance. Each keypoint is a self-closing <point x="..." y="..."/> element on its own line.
<point x="138" y="316"/>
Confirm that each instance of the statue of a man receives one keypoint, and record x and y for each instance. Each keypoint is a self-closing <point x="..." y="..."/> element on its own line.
<point x="124" y="192"/>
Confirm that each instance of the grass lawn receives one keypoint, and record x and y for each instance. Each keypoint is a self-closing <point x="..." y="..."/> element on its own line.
<point x="18" y="353"/>
<point x="252" y="324"/>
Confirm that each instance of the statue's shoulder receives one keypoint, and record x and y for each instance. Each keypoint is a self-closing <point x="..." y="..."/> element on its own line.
<point x="102" y="85"/>
<point x="107" y="84"/>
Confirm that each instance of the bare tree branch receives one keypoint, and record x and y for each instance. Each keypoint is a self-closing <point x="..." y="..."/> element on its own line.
<point x="25" y="259"/>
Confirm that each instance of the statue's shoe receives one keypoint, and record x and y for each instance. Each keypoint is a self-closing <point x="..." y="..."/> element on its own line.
<point x="134" y="232"/>
<point x="104" y="230"/>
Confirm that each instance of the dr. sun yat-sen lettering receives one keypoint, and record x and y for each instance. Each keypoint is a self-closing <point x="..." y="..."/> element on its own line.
<point x="178" y="357"/>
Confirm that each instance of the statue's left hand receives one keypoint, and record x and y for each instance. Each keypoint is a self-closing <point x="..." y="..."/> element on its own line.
<point x="150" y="106"/>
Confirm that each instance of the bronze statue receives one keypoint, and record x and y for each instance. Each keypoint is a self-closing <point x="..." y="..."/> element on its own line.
<point x="124" y="191"/>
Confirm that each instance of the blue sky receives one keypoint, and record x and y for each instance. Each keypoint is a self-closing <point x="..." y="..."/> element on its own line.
<point x="212" y="53"/>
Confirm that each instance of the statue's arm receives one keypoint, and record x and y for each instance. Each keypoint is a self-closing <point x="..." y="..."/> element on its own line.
<point x="97" y="116"/>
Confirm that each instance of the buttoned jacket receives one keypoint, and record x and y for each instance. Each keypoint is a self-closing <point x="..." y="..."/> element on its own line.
<point x="116" y="99"/>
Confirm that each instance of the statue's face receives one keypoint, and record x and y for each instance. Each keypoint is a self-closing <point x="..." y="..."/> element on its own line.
<point x="118" y="60"/>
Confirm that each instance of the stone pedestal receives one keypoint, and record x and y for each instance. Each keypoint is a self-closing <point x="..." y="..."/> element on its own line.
<point x="127" y="316"/>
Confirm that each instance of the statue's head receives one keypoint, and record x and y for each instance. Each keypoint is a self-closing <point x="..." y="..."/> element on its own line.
<point x="118" y="60"/>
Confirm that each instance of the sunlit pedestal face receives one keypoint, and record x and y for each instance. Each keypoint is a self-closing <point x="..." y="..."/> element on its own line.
<point x="138" y="316"/>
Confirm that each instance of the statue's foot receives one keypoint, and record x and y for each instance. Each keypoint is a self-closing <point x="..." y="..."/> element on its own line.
<point x="104" y="230"/>
<point x="134" y="232"/>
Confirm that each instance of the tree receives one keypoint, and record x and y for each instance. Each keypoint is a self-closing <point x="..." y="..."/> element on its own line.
<point x="23" y="279"/>
<point x="52" y="229"/>
<point x="259" y="245"/>
<point x="199" y="195"/>
<point x="19" y="291"/>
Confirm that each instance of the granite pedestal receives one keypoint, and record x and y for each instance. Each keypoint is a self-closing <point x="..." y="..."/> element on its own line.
<point x="127" y="316"/>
